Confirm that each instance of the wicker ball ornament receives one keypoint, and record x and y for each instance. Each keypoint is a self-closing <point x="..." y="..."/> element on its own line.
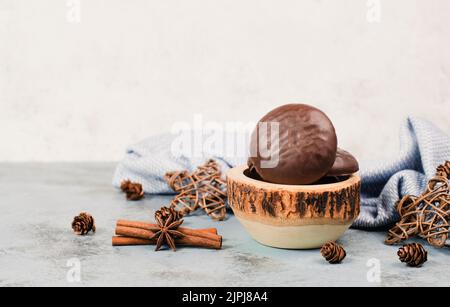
<point x="426" y="215"/>
<point x="204" y="188"/>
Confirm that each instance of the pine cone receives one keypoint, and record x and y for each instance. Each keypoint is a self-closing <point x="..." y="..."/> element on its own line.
<point x="413" y="254"/>
<point x="443" y="170"/>
<point x="133" y="190"/>
<point x="83" y="223"/>
<point x="164" y="212"/>
<point x="333" y="252"/>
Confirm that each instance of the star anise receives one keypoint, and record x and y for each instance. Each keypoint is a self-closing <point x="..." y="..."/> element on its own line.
<point x="167" y="232"/>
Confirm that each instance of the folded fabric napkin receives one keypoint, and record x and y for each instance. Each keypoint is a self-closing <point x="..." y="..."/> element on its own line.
<point x="423" y="147"/>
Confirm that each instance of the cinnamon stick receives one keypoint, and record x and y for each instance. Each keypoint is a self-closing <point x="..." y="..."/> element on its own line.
<point x="147" y="234"/>
<point x="208" y="233"/>
<point x="200" y="242"/>
<point x="124" y="241"/>
<point x="151" y="226"/>
<point x="134" y="232"/>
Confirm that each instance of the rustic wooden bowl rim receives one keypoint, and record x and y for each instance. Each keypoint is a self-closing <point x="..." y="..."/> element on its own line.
<point x="237" y="174"/>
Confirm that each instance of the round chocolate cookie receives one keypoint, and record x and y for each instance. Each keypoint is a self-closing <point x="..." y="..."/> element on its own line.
<point x="303" y="149"/>
<point x="344" y="165"/>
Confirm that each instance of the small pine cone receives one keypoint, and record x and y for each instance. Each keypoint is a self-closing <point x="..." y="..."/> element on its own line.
<point x="83" y="223"/>
<point x="413" y="254"/>
<point x="133" y="190"/>
<point x="443" y="170"/>
<point x="333" y="252"/>
<point x="164" y="212"/>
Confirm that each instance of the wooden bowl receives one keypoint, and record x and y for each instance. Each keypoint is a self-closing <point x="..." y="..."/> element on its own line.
<point x="293" y="216"/>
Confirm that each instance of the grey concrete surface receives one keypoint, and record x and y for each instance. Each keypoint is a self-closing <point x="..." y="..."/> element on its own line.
<point x="38" y="202"/>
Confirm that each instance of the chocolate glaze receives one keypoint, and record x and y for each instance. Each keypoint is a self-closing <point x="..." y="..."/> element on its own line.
<point x="307" y="145"/>
<point x="344" y="165"/>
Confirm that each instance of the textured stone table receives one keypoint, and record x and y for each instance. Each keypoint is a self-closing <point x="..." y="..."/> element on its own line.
<point x="38" y="202"/>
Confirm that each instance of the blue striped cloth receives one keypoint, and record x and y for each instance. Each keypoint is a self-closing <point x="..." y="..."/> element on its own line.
<point x="423" y="147"/>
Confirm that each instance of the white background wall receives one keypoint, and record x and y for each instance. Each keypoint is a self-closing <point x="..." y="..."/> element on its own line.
<point x="84" y="90"/>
